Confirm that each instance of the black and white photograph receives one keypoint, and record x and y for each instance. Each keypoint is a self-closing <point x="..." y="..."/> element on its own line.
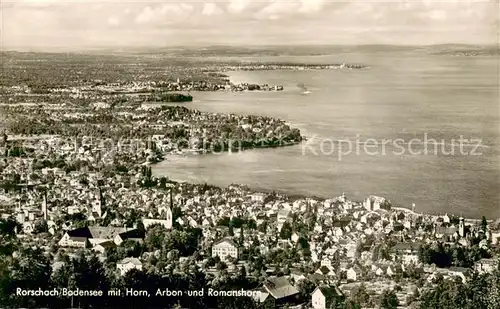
<point x="250" y="154"/>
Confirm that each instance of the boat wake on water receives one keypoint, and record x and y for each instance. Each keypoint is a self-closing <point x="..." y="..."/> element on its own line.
<point x="303" y="88"/>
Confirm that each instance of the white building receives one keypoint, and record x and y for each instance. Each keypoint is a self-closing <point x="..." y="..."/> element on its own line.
<point x="167" y="223"/>
<point x="258" y="197"/>
<point x="460" y="272"/>
<point x="495" y="238"/>
<point x="376" y="202"/>
<point x="28" y="227"/>
<point x="73" y="241"/>
<point x="354" y="274"/>
<point x="485" y="265"/>
<point x="224" y="249"/>
<point x="407" y="252"/>
<point x="127" y="264"/>
<point x="324" y="297"/>
<point x="283" y="215"/>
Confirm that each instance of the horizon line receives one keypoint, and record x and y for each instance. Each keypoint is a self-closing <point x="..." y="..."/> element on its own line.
<point x="228" y="45"/>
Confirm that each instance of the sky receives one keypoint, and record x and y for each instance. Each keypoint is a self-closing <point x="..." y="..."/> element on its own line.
<point x="114" y="23"/>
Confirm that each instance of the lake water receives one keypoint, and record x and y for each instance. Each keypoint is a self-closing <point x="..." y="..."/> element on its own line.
<point x="403" y="95"/>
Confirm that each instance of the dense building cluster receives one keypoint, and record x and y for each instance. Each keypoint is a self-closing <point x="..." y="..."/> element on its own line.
<point x="82" y="214"/>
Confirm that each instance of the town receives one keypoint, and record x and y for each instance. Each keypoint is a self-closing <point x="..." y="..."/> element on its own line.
<point x="134" y="225"/>
<point x="80" y="210"/>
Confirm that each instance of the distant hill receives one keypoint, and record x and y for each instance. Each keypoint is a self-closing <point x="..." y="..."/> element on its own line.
<point x="282" y="50"/>
<point x="464" y="50"/>
<point x="276" y="50"/>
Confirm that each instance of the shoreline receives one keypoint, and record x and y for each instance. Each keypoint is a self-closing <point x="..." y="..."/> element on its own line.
<point x="197" y="152"/>
<point x="298" y="196"/>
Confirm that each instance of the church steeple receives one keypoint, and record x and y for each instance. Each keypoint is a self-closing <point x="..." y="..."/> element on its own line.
<point x="461" y="227"/>
<point x="171" y="198"/>
<point x="101" y="198"/>
<point x="169" y="218"/>
<point x="168" y="214"/>
<point x="100" y="203"/>
<point x="44" y="205"/>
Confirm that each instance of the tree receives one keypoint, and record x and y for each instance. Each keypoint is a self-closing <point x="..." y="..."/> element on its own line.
<point x="224" y="221"/>
<point x="41" y="227"/>
<point x="251" y="224"/>
<point x="414" y="295"/>
<point x="7" y="246"/>
<point x="494" y="290"/>
<point x="8" y="227"/>
<point x="306" y="287"/>
<point x="361" y="296"/>
<point x="85" y="273"/>
<point x="129" y="248"/>
<point x="163" y="183"/>
<point x="186" y="242"/>
<point x="389" y="300"/>
<point x="155" y="237"/>
<point x="447" y="294"/>
<point x="286" y="231"/>
<point x="349" y="304"/>
<point x="458" y="257"/>
<point x="302" y="243"/>
<point x="262" y="227"/>
<point x="242" y="272"/>
<point x="484" y="224"/>
<point x="140" y="226"/>
<point x="211" y="262"/>
<point x="221" y="266"/>
<point x="136" y="279"/>
<point x="30" y="270"/>
<point x="5" y="282"/>
<point x="113" y="255"/>
<point x="176" y="213"/>
<point x="173" y="255"/>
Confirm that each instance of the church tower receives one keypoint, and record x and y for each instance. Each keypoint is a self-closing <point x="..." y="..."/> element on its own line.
<point x="461" y="227"/>
<point x="171" y="198"/>
<point x="44" y="206"/>
<point x="100" y="203"/>
<point x="168" y="215"/>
